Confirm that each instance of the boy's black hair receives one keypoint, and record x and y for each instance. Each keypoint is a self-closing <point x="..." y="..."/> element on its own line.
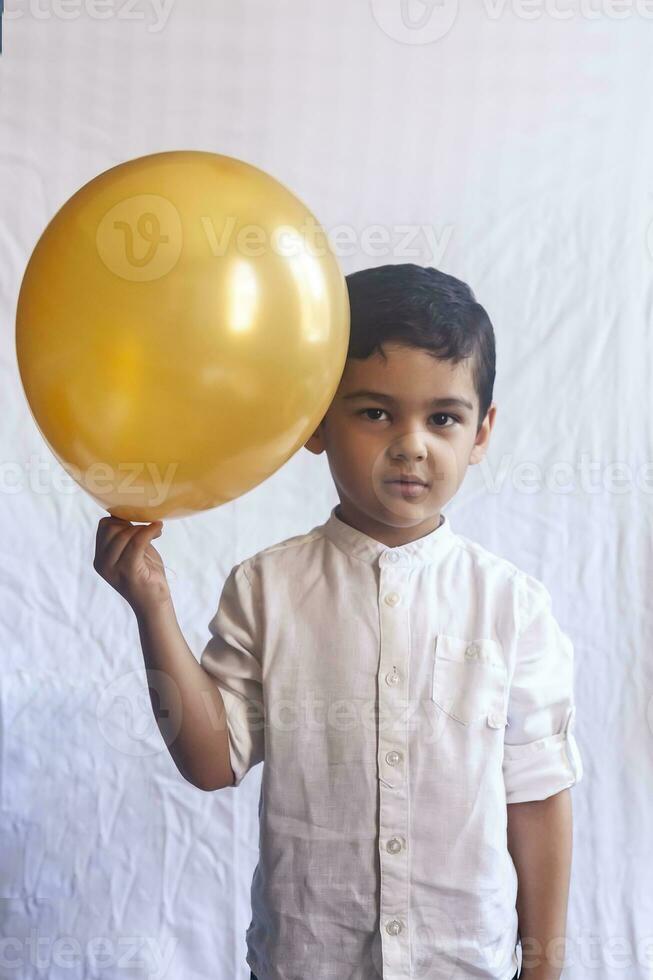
<point x="422" y="307"/>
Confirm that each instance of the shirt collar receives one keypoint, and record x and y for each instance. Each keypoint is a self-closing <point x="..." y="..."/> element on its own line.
<point x="429" y="548"/>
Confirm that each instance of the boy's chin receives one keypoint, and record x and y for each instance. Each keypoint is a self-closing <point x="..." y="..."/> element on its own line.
<point x="397" y="512"/>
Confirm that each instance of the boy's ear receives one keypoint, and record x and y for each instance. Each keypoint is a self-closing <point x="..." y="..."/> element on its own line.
<point x="316" y="442"/>
<point x="483" y="437"/>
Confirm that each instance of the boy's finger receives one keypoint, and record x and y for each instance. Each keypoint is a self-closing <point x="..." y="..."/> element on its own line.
<point x="140" y="539"/>
<point x="122" y="538"/>
<point x="108" y="528"/>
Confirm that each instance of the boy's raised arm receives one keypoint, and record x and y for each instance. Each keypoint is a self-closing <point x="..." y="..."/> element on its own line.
<point x="187" y="704"/>
<point x="193" y="724"/>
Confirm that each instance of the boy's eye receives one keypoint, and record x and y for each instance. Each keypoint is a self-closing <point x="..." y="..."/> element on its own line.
<point x="436" y="415"/>
<point x="366" y="410"/>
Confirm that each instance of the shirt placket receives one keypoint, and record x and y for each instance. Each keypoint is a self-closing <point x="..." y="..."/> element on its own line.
<point x="393" y="766"/>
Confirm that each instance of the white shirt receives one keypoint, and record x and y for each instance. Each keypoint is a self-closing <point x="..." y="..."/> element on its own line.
<point x="382" y="849"/>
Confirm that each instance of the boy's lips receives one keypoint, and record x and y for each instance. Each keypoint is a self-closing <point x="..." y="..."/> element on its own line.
<point x="408" y="479"/>
<point x="406" y="487"/>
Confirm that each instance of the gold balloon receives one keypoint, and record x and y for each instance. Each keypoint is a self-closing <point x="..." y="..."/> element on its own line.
<point x="182" y="327"/>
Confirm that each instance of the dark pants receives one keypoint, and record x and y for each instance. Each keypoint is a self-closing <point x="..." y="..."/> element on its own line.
<point x="253" y="977"/>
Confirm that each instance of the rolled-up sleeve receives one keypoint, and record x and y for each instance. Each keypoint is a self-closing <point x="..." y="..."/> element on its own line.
<point x="232" y="657"/>
<point x="541" y="756"/>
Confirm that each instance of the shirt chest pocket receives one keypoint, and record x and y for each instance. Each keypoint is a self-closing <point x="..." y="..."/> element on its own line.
<point x="470" y="680"/>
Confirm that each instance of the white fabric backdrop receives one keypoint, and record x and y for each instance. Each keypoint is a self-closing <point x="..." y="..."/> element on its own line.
<point x="521" y="139"/>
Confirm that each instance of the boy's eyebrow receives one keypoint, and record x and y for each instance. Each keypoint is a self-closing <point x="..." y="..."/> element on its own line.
<point x="381" y="396"/>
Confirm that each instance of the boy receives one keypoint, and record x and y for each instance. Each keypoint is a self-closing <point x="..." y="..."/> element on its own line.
<point x="410" y="692"/>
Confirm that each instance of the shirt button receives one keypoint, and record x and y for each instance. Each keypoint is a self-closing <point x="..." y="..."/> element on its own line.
<point x="392" y="556"/>
<point x="472" y="650"/>
<point x="392" y="598"/>
<point x="394" y="677"/>
<point x="394" y="927"/>
<point x="394" y="845"/>
<point x="496" y="720"/>
<point x="392" y="758"/>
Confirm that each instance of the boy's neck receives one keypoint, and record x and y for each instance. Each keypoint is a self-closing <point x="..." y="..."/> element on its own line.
<point x="391" y="537"/>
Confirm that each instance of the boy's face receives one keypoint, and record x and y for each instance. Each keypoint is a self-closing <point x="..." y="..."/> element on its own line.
<point x="371" y="441"/>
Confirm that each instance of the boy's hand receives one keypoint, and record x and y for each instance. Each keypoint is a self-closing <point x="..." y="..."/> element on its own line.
<point x="125" y="558"/>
